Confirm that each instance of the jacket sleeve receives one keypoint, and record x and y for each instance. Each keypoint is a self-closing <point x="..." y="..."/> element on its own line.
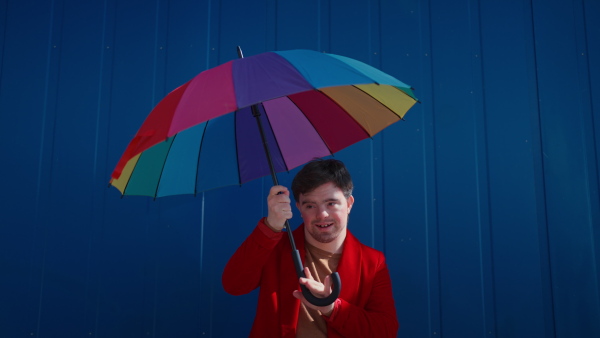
<point x="243" y="271"/>
<point x="376" y="319"/>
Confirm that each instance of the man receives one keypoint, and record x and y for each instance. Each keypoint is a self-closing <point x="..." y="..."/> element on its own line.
<point x="365" y="307"/>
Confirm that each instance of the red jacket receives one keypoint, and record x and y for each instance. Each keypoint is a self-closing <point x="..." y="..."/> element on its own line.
<point x="367" y="305"/>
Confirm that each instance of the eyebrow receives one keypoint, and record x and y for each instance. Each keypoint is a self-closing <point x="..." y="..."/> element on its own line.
<point x="325" y="201"/>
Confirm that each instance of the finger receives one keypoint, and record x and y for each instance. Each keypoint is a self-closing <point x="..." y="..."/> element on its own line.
<point x="280" y="202"/>
<point x="307" y="273"/>
<point x="279" y="207"/>
<point x="306" y="282"/>
<point x="279" y="190"/>
<point x="327" y="283"/>
<point x="309" y="283"/>
<point x="279" y="199"/>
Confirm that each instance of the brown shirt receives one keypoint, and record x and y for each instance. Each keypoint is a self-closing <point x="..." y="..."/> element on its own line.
<point x="321" y="264"/>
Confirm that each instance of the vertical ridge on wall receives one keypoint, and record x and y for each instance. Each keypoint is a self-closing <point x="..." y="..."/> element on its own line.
<point x="591" y="15"/>
<point x="213" y="58"/>
<point x="380" y="224"/>
<point x="588" y="123"/>
<point x="44" y="180"/>
<point x="571" y="248"/>
<point x="482" y="175"/>
<point x="590" y="154"/>
<point x="539" y="172"/>
<point x="3" y="24"/>
<point x="456" y="163"/>
<point x="50" y="90"/>
<point x="434" y="318"/>
<point x="377" y="211"/>
<point x="100" y="167"/>
<point x="158" y="77"/>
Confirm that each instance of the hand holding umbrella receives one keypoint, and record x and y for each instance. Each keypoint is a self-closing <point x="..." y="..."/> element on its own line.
<point x="280" y="208"/>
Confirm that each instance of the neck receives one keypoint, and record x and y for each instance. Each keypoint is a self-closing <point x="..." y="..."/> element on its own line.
<point x="336" y="246"/>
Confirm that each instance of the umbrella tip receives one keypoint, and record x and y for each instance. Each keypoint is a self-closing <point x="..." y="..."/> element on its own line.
<point x="239" y="51"/>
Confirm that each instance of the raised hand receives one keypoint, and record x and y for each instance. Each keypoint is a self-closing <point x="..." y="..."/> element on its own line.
<point x="318" y="289"/>
<point x="280" y="208"/>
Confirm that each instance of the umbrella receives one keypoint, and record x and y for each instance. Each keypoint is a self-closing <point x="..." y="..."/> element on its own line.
<point x="306" y="105"/>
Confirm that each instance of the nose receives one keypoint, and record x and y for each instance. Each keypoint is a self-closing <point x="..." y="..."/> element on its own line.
<point x="322" y="213"/>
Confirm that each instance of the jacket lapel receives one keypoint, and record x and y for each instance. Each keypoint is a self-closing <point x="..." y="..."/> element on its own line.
<point x="350" y="268"/>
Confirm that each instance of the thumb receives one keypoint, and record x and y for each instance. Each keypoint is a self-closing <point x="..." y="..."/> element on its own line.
<point x="327" y="283"/>
<point x="297" y="294"/>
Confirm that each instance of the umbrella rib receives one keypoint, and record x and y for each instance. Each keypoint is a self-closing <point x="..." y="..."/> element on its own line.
<point x="132" y="171"/>
<point x="237" y="152"/>
<point x="198" y="161"/>
<point x="276" y="140"/>
<point x="162" y="169"/>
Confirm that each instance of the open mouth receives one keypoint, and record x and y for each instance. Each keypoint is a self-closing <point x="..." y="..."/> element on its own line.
<point x="324" y="225"/>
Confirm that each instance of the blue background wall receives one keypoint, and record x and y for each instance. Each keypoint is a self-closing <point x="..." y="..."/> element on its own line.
<point x="485" y="200"/>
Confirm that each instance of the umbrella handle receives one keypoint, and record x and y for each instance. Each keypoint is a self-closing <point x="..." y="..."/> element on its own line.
<point x="314" y="300"/>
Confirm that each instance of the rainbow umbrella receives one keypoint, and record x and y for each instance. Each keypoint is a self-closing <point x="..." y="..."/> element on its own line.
<point x="256" y="116"/>
<point x="311" y="105"/>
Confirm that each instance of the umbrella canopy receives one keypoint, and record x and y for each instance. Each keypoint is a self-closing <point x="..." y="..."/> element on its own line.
<point x="311" y="105"/>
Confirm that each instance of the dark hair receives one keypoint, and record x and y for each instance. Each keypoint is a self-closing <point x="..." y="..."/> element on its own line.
<point x="318" y="172"/>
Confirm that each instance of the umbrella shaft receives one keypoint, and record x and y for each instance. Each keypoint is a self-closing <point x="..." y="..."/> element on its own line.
<point x="256" y="114"/>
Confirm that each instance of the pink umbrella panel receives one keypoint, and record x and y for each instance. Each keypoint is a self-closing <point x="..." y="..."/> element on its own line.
<point x="203" y="134"/>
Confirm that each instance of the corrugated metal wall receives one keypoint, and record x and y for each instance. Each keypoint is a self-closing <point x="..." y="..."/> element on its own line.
<point x="485" y="200"/>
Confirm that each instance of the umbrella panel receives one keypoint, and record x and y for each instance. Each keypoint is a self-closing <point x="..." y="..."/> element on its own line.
<point x="252" y="160"/>
<point x="394" y="98"/>
<point x="270" y="76"/>
<point x="154" y="129"/>
<point x="218" y="163"/>
<point x="179" y="171"/>
<point x="214" y="85"/>
<point x="332" y="123"/>
<point x="296" y="137"/>
<point x="317" y="68"/>
<point x="146" y="174"/>
<point x="371" y="115"/>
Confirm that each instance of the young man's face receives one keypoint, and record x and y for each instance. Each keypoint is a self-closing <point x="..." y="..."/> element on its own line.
<point x="325" y="212"/>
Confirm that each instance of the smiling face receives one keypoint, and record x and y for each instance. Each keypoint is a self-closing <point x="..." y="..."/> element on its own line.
<point x="325" y="213"/>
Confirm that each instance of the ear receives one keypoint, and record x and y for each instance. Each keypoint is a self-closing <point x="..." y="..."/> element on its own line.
<point x="350" y="201"/>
